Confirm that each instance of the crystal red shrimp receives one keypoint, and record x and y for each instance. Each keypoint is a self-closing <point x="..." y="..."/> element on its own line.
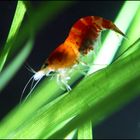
<point x="80" y="41"/>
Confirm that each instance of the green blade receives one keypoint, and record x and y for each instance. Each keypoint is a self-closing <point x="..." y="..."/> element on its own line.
<point x="12" y="68"/>
<point x="85" y="130"/>
<point x="18" y="17"/>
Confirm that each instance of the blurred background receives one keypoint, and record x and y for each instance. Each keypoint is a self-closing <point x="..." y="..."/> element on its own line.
<point x="123" y="124"/>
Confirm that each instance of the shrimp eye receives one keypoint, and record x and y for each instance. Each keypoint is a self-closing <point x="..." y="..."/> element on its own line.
<point x="44" y="65"/>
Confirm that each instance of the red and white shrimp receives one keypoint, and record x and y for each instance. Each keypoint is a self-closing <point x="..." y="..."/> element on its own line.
<point x="80" y="41"/>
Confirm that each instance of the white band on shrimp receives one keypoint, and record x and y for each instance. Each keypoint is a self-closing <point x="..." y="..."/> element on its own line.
<point x="38" y="75"/>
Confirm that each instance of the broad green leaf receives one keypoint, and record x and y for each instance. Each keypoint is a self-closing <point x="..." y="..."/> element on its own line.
<point x="94" y="98"/>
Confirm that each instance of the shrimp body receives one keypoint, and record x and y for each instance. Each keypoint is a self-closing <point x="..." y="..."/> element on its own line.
<point x="80" y="41"/>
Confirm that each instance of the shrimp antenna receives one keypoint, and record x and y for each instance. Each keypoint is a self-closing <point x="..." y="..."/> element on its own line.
<point x="25" y="88"/>
<point x="32" y="83"/>
<point x="32" y="89"/>
<point x="29" y="68"/>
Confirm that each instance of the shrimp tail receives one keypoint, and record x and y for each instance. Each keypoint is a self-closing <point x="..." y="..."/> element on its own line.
<point x="116" y="29"/>
<point x="107" y="24"/>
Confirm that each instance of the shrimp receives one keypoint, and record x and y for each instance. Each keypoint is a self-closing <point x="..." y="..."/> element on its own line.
<point x="79" y="42"/>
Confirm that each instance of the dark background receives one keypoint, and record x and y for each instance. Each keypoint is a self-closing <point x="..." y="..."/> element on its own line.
<point x="123" y="124"/>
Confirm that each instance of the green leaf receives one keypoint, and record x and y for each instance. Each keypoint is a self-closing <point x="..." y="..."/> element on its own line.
<point x="18" y="17"/>
<point x="133" y="31"/>
<point x="85" y="131"/>
<point x="12" y="68"/>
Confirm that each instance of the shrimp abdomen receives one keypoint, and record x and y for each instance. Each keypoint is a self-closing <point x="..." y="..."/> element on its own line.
<point x="86" y="31"/>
